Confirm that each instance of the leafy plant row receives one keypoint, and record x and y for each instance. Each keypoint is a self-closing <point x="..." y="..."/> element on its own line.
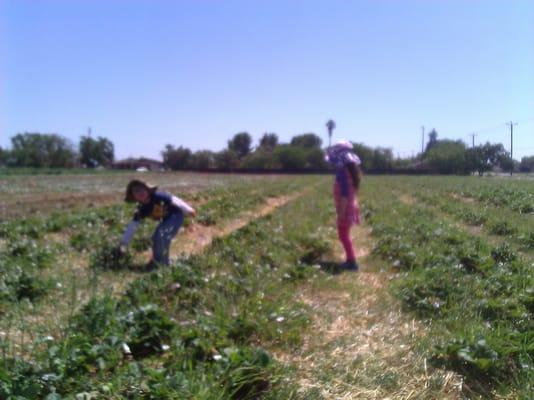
<point x="480" y="297"/>
<point x="27" y="248"/>
<point x="493" y="221"/>
<point x="198" y="329"/>
<point x="514" y="195"/>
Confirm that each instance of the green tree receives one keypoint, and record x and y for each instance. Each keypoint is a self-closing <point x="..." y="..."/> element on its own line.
<point x="507" y="163"/>
<point x="176" y="158"/>
<point x="485" y="157"/>
<point x="202" y="160"/>
<point x="447" y="157"/>
<point x="226" y="160"/>
<point x="315" y="158"/>
<point x="432" y="140"/>
<point x="366" y="155"/>
<point x="307" y="141"/>
<point x="96" y="152"/>
<point x="377" y="159"/>
<point x="290" y="157"/>
<point x="240" y="144"/>
<point x="269" y="141"/>
<point x="4" y="155"/>
<point x="527" y="164"/>
<point x="41" y="150"/>
<point x="261" y="159"/>
<point x="382" y="159"/>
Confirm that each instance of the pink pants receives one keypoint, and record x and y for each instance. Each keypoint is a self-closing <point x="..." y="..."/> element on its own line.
<point x="343" y="232"/>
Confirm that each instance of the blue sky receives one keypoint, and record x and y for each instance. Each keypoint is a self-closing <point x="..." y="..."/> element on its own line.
<point x="149" y="72"/>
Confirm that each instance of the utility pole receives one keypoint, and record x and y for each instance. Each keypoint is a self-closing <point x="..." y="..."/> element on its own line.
<point x="511" y="123"/>
<point x="89" y="131"/>
<point x="422" y="140"/>
<point x="473" y="137"/>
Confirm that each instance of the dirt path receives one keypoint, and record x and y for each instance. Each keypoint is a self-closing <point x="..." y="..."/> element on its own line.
<point x="196" y="237"/>
<point x="361" y="345"/>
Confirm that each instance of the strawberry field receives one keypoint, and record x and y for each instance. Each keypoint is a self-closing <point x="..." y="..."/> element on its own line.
<point x="254" y="305"/>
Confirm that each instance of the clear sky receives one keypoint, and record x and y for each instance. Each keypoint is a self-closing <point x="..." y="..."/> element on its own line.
<point x="194" y="72"/>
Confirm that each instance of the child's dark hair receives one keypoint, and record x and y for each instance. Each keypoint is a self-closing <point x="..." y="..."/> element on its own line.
<point x="137" y="183"/>
<point x="355" y="174"/>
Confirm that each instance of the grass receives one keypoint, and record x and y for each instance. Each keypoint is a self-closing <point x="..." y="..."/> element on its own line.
<point x="474" y="292"/>
<point x="435" y="312"/>
<point x="200" y="322"/>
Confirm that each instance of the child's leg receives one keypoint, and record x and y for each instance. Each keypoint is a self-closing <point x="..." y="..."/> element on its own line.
<point x="343" y="232"/>
<point x="163" y="235"/>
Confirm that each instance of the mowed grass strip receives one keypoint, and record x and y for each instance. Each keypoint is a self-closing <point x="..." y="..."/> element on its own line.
<point x="360" y="344"/>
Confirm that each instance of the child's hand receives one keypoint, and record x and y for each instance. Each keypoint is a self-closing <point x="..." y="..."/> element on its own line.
<point x="193" y="213"/>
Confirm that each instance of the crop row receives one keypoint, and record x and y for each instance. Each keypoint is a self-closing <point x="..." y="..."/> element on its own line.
<point x="514" y="228"/>
<point x="198" y="329"/>
<point x="480" y="297"/>
<point x="28" y="252"/>
<point x="516" y="196"/>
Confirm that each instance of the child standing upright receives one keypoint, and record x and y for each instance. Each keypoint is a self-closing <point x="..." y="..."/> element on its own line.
<point x="161" y="206"/>
<point x="346" y="185"/>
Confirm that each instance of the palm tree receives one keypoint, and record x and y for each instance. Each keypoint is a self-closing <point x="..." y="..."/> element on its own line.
<point x="331" y="125"/>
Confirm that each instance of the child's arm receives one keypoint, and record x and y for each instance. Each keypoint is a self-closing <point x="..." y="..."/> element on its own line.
<point x="182" y="205"/>
<point x="129" y="232"/>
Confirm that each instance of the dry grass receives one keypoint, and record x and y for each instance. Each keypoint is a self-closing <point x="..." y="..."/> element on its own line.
<point x="466" y="200"/>
<point x="360" y="345"/>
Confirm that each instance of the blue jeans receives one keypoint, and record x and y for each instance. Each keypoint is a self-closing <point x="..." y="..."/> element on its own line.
<point x="163" y="235"/>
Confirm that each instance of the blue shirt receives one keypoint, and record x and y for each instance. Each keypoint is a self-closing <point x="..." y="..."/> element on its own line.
<point x="159" y="207"/>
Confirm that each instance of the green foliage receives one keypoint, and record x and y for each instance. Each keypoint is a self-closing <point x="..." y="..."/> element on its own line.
<point x="447" y="157"/>
<point x="191" y="330"/>
<point x="227" y="160"/>
<point x="96" y="152"/>
<point x="502" y="228"/>
<point x="176" y="158"/>
<point x="374" y="159"/>
<point x="472" y="358"/>
<point x="485" y="157"/>
<point x="109" y="256"/>
<point x="4" y="156"/>
<point x="314" y="248"/>
<point x="307" y="141"/>
<point x="290" y="157"/>
<point x="240" y="144"/>
<point x="268" y="141"/>
<point x="41" y="150"/>
<point x="147" y="330"/>
<point x="22" y="261"/>
<point x="261" y="159"/>
<point x="202" y="160"/>
<point x="477" y="295"/>
<point x="527" y="164"/>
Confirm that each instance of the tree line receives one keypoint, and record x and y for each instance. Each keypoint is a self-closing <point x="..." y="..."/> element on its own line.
<point x="50" y="150"/>
<point x="303" y="152"/>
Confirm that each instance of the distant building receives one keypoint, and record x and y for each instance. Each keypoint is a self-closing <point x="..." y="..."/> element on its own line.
<point x="136" y="163"/>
